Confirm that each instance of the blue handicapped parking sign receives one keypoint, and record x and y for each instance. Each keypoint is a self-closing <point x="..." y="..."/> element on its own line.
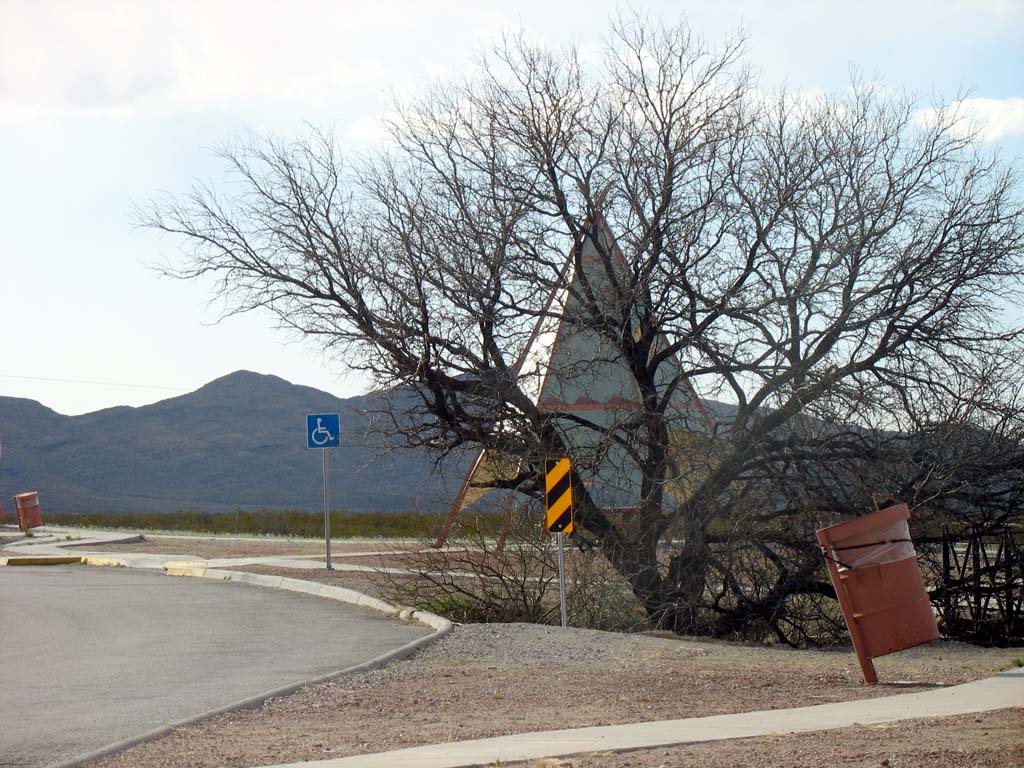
<point x="323" y="430"/>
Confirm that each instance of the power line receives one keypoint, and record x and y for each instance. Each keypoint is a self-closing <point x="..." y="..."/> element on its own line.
<point x="93" y="383"/>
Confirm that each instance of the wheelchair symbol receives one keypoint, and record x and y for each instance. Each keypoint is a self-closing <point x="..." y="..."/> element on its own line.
<point x="321" y="435"/>
<point x="323" y="430"/>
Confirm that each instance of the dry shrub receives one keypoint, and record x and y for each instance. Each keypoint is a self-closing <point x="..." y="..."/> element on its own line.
<point x="471" y="580"/>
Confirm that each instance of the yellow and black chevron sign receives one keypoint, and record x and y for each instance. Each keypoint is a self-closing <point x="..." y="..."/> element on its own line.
<point x="558" y="485"/>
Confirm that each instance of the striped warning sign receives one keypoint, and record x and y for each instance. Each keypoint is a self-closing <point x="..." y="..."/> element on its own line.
<point x="558" y="486"/>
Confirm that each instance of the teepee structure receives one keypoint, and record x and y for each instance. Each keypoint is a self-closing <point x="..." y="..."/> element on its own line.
<point x="582" y="380"/>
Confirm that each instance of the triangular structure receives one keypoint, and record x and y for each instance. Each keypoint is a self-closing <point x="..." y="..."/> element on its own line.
<point x="574" y="372"/>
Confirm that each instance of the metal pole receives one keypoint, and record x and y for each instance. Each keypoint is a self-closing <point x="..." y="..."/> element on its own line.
<point x="1008" y="577"/>
<point x="947" y="580"/>
<point x="561" y="578"/>
<point x="327" y="514"/>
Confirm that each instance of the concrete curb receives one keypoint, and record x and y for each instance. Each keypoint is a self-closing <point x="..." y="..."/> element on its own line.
<point x="126" y="539"/>
<point x="40" y="560"/>
<point x="108" y="562"/>
<point x="440" y="625"/>
<point x="104" y="562"/>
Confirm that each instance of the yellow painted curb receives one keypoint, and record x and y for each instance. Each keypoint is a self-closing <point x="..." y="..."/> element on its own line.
<point x="184" y="564"/>
<point x="184" y="571"/>
<point x="41" y="560"/>
<point x="108" y="562"/>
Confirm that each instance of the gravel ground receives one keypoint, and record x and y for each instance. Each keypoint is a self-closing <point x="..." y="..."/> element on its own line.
<point x="489" y="680"/>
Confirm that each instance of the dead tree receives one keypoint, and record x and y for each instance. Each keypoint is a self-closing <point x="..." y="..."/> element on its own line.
<point x="790" y="259"/>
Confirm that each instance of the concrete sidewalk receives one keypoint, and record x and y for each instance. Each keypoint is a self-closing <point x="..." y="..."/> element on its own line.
<point x="1001" y="691"/>
<point x="54" y="542"/>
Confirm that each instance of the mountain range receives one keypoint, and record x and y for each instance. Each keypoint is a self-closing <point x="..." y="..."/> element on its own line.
<point x="237" y="441"/>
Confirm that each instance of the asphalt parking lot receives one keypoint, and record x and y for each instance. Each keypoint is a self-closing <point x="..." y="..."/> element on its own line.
<point x="90" y="656"/>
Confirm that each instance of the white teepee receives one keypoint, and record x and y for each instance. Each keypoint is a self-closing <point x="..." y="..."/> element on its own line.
<point x="573" y="372"/>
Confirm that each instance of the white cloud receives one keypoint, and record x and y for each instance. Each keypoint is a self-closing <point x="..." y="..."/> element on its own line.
<point x="998" y="7"/>
<point x="990" y="119"/>
<point x="79" y="59"/>
<point x="117" y="57"/>
<point x="369" y="129"/>
<point x="997" y="118"/>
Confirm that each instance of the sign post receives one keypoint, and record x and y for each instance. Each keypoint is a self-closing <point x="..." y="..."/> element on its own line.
<point x="558" y="492"/>
<point x="323" y="431"/>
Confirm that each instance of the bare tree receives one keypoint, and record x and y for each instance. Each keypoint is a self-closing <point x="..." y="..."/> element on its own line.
<point x="802" y="261"/>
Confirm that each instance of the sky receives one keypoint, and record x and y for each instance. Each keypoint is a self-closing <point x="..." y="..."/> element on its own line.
<point x="107" y="104"/>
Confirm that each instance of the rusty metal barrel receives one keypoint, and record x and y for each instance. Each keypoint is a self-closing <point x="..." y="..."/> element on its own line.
<point x="27" y="506"/>
<point x="874" y="570"/>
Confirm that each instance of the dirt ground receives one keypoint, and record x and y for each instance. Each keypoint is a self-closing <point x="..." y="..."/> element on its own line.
<point x="494" y="679"/>
<point x="210" y="548"/>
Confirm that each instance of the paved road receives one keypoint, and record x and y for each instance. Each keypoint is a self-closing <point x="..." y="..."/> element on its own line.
<point x="89" y="656"/>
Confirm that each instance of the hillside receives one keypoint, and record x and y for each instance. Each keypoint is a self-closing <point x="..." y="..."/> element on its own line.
<point x="238" y="441"/>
